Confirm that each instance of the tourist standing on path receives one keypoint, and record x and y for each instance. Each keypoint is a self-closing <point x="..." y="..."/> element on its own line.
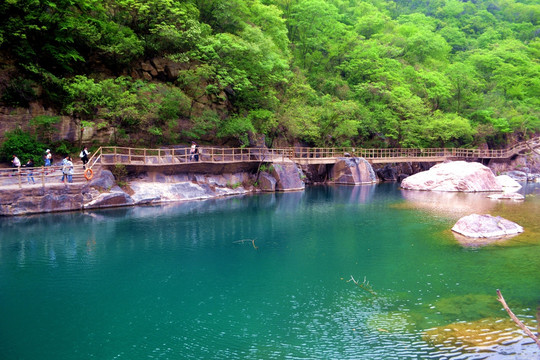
<point x="194" y="152"/>
<point x="69" y="164"/>
<point x="30" y="164"/>
<point x="48" y="158"/>
<point x="16" y="163"/>
<point x="84" y="156"/>
<point x="65" y="168"/>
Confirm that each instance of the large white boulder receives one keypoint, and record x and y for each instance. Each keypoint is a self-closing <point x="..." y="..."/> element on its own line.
<point x="454" y="176"/>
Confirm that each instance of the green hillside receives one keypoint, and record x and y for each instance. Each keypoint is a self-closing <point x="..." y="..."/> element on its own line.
<point x="324" y="73"/>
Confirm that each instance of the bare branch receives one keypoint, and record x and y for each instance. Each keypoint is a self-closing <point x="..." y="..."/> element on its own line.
<point x="364" y="285"/>
<point x="252" y="241"/>
<point x="516" y="320"/>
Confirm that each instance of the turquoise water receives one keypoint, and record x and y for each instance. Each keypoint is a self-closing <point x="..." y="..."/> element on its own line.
<point x="266" y="277"/>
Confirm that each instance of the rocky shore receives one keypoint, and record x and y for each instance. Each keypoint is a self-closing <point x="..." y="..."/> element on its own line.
<point x="149" y="185"/>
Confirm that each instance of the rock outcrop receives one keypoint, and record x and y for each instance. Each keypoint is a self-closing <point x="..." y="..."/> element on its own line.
<point x="352" y="171"/>
<point x="288" y="176"/>
<point x="454" y="176"/>
<point x="486" y="226"/>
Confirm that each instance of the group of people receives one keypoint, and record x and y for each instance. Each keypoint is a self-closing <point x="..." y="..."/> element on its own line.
<point x="67" y="165"/>
<point x="29" y="164"/>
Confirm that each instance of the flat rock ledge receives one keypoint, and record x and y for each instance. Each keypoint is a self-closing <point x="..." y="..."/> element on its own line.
<point x="454" y="176"/>
<point x="486" y="226"/>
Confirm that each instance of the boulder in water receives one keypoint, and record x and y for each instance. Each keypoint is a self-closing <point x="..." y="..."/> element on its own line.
<point x="486" y="226"/>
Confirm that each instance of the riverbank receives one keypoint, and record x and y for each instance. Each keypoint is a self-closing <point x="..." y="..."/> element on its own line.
<point x="149" y="185"/>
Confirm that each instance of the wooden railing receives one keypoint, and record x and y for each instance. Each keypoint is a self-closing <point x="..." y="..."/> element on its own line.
<point x="143" y="156"/>
<point x="44" y="175"/>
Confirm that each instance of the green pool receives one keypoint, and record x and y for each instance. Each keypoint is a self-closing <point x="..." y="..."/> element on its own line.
<point x="271" y="277"/>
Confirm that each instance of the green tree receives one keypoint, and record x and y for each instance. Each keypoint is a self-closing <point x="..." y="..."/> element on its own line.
<point x="44" y="125"/>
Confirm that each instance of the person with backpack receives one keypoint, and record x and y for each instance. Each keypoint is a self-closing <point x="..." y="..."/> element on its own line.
<point x="84" y="156"/>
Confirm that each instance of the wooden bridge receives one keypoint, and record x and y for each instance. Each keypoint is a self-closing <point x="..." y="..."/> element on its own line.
<point x="299" y="155"/>
<point x="180" y="157"/>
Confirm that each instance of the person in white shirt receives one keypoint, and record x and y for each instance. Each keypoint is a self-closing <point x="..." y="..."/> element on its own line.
<point x="48" y="158"/>
<point x="16" y="162"/>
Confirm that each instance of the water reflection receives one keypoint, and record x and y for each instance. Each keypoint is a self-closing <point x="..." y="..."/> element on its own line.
<point x="451" y="204"/>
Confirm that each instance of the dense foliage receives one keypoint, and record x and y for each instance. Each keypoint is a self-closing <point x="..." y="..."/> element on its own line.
<point x="325" y="72"/>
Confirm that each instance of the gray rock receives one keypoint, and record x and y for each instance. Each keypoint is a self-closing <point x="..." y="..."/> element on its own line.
<point x="104" y="180"/>
<point x="517" y="175"/>
<point x="267" y="182"/>
<point x="353" y="171"/>
<point x="388" y="173"/>
<point x="288" y="176"/>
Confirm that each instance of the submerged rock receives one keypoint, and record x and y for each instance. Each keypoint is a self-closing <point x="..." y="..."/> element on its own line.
<point x="467" y="307"/>
<point x="486" y="226"/>
<point x="484" y="332"/>
<point x="454" y="176"/>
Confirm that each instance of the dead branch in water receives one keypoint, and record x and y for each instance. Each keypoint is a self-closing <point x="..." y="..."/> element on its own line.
<point x="364" y="285"/>
<point x="252" y="241"/>
<point x="516" y="320"/>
